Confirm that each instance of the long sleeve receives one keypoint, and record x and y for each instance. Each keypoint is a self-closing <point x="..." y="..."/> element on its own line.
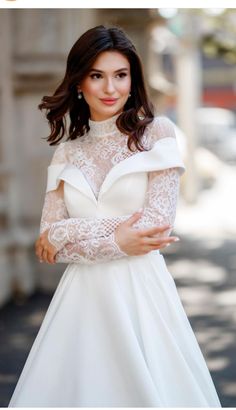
<point x="159" y="209"/>
<point x="80" y="251"/>
<point x="92" y="239"/>
<point x="89" y="240"/>
<point x="72" y="248"/>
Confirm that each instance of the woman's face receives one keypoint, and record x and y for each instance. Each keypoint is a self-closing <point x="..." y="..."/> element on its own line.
<point x="107" y="86"/>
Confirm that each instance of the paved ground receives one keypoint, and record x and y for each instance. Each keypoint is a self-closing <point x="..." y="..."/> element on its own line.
<point x="203" y="265"/>
<point x="19" y="324"/>
<point x="206" y="282"/>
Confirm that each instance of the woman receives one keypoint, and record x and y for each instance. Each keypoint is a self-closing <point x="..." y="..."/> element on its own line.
<point x="115" y="333"/>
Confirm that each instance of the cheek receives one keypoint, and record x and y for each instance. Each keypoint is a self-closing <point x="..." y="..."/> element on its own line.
<point x="125" y="86"/>
<point x="90" y="88"/>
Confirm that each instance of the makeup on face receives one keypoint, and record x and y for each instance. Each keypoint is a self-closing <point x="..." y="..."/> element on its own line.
<point x="107" y="86"/>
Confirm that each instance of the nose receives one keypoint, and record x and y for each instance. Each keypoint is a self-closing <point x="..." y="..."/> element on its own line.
<point x="109" y="86"/>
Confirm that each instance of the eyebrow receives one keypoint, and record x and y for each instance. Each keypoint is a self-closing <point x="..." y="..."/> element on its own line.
<point x="100" y="71"/>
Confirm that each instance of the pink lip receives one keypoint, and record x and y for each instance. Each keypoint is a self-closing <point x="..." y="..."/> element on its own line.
<point x="109" y="101"/>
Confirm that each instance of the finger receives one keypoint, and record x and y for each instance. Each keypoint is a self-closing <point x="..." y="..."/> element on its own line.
<point x="135" y="217"/>
<point x="161" y="241"/>
<point x="36" y="246"/>
<point x="45" y="255"/>
<point x="51" y="257"/>
<point x="48" y="256"/>
<point x="39" y="249"/>
<point x="158" y="245"/>
<point x="39" y="252"/>
<point x="153" y="231"/>
<point x="151" y="248"/>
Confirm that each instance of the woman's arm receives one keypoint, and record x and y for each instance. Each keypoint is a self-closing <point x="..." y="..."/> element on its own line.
<point x="133" y="235"/>
<point x="93" y="239"/>
<point x="94" y="249"/>
<point x="159" y="210"/>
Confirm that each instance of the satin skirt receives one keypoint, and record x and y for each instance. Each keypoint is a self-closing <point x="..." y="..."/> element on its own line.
<point x="116" y="335"/>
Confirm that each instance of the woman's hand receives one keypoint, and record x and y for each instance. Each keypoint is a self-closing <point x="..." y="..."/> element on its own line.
<point x="44" y="250"/>
<point x="141" y="241"/>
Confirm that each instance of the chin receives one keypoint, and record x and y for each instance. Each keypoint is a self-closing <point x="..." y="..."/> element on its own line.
<point x="115" y="111"/>
<point x="107" y="112"/>
<point x="111" y="111"/>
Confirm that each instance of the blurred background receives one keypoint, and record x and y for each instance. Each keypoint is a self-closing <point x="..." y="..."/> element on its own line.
<point x="189" y="59"/>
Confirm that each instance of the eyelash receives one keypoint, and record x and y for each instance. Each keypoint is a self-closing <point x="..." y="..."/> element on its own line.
<point x="96" y="76"/>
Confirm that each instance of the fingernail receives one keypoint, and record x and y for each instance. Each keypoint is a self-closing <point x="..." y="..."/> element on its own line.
<point x="176" y="239"/>
<point x="140" y="210"/>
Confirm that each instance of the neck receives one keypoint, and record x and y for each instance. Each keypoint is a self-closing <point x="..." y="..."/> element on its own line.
<point x="104" y="127"/>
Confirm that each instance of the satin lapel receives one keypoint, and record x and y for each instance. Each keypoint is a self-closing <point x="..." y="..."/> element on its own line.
<point x="53" y="172"/>
<point x="163" y="155"/>
<point x="73" y="176"/>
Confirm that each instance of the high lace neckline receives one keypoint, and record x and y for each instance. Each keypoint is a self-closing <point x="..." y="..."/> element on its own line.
<point x="103" y="128"/>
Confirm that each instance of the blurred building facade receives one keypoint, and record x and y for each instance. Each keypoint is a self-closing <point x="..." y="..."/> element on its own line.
<point x="34" y="46"/>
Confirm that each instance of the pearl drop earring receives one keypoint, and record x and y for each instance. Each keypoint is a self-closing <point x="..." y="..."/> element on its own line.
<point x="129" y="94"/>
<point x="80" y="96"/>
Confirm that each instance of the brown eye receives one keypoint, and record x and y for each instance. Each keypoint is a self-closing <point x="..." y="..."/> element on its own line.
<point x="121" y="75"/>
<point x="95" y="76"/>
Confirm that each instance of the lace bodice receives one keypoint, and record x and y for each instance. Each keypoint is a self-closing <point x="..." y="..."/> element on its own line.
<point x="104" y="146"/>
<point x="89" y="240"/>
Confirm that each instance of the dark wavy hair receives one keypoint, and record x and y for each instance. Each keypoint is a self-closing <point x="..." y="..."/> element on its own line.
<point x="138" y="111"/>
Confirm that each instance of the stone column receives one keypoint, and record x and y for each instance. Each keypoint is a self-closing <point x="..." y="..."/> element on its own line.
<point x="7" y="210"/>
<point x="188" y="80"/>
<point x="8" y="147"/>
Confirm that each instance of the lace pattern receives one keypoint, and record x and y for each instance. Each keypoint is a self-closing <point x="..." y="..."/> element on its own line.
<point x="90" y="252"/>
<point x="106" y="152"/>
<point x="54" y="208"/>
<point x="92" y="240"/>
<point x="161" y="199"/>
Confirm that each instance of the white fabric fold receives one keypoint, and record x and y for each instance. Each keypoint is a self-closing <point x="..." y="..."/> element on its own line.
<point x="163" y="155"/>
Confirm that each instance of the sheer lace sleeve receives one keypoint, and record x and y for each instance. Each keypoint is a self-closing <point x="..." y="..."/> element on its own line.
<point x="54" y="208"/>
<point x="69" y="230"/>
<point x="159" y="209"/>
<point x="100" y="243"/>
<point x="89" y="240"/>
<point x="92" y="250"/>
<point x="161" y="199"/>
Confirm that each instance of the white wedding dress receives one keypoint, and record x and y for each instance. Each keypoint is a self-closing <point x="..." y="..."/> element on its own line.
<point x="115" y="333"/>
